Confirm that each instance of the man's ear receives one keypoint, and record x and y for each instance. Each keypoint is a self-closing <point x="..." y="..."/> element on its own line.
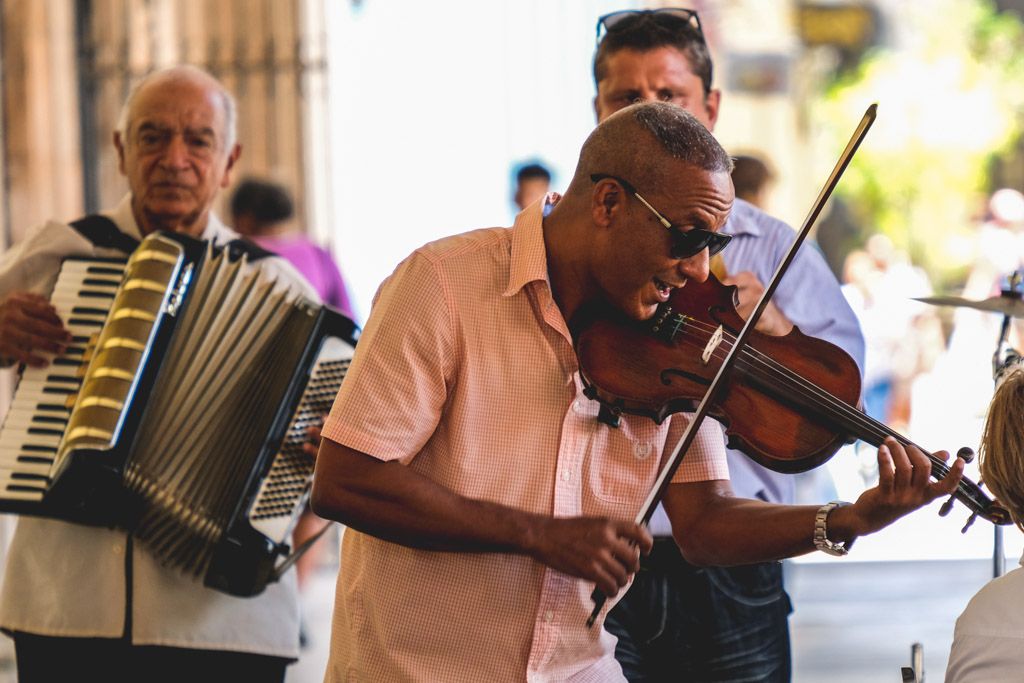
<point x="236" y="152"/>
<point x="606" y="202"/>
<point x="119" y="146"/>
<point x="711" y="104"/>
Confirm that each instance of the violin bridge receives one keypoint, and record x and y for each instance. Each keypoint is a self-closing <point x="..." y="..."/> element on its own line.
<point x="712" y="344"/>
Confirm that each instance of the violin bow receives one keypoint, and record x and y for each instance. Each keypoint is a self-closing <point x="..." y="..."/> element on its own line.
<point x="690" y="434"/>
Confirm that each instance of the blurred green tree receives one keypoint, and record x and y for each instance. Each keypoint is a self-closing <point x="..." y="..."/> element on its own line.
<point x="950" y="97"/>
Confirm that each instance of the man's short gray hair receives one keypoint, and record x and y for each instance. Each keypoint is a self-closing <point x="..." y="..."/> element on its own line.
<point x="186" y="71"/>
<point x="633" y="141"/>
<point x="682" y="136"/>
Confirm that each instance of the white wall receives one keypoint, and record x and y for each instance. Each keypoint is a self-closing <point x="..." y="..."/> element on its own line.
<point x="434" y="103"/>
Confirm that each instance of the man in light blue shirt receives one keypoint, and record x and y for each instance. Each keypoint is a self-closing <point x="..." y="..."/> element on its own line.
<point x="679" y="621"/>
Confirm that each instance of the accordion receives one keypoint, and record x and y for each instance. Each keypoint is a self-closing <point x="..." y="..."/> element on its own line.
<point x="179" y="410"/>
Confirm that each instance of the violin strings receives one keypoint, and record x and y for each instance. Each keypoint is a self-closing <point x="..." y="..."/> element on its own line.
<point x="827" y="402"/>
<point x="838" y="409"/>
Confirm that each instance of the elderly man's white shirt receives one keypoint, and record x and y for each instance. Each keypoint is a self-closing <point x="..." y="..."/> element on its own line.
<point x="70" y="580"/>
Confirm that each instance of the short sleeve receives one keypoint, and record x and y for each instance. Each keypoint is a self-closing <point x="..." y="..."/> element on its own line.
<point x="395" y="391"/>
<point x="706" y="459"/>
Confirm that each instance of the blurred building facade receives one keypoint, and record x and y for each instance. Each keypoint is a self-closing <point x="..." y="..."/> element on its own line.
<point x="68" y="65"/>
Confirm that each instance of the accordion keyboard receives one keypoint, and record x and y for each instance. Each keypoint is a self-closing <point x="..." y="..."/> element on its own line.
<point x="35" y="423"/>
<point x="283" y="491"/>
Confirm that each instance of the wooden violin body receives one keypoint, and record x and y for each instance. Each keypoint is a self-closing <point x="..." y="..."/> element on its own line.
<point x="664" y="366"/>
<point x="789" y="402"/>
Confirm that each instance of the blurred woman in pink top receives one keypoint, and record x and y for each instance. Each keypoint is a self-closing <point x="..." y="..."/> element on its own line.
<point x="264" y="212"/>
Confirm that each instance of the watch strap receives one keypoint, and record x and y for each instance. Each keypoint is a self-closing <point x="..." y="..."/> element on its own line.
<point x="821" y="539"/>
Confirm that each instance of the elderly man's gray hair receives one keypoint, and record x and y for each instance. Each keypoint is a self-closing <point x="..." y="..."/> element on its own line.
<point x="187" y="71"/>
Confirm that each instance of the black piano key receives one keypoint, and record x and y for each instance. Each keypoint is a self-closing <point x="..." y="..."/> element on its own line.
<point x="34" y="459"/>
<point x="27" y="489"/>
<point x="80" y="322"/>
<point x="45" y="432"/>
<point x="86" y="310"/>
<point x="25" y="476"/>
<point x="105" y="270"/>
<point x="50" y="419"/>
<point x="37" y="448"/>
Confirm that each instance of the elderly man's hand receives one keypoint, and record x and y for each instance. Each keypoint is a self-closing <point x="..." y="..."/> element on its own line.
<point x="29" y="326"/>
<point x="312" y="445"/>
<point x="904" y="484"/>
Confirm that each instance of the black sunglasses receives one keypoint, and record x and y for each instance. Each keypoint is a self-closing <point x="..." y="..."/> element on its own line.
<point x="669" y="17"/>
<point x="684" y="243"/>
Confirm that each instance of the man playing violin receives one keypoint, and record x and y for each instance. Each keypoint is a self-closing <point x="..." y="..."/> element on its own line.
<point x="714" y="623"/>
<point x="484" y="499"/>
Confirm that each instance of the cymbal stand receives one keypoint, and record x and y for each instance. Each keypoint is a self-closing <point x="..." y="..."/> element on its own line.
<point x="1003" y="357"/>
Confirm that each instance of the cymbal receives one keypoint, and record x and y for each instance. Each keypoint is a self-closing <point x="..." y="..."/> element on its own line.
<point x="1011" y="306"/>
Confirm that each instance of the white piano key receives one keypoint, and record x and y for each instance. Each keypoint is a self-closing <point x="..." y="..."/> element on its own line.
<point x="26" y="422"/>
<point x="40" y="469"/>
<point x="20" y="441"/>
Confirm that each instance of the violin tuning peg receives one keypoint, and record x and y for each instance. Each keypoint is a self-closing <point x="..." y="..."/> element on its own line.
<point x="966" y="454"/>
<point x="947" y="506"/>
<point x="970" y="521"/>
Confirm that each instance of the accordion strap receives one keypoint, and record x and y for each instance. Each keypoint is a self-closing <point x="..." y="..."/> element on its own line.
<point x="103" y="232"/>
<point x="240" y="246"/>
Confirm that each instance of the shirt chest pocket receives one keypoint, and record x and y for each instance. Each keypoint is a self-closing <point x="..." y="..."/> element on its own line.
<point x="624" y="461"/>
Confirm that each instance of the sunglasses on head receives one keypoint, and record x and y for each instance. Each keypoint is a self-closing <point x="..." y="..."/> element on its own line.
<point x="669" y="17"/>
<point x="684" y="243"/>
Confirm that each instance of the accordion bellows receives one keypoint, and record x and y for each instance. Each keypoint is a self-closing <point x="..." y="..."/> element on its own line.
<point x="187" y="426"/>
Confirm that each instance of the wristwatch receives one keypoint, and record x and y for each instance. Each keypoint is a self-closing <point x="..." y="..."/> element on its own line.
<point x="821" y="540"/>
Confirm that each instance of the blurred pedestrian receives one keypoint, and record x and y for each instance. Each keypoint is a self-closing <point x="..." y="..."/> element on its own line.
<point x="532" y="182"/>
<point x="264" y="212"/>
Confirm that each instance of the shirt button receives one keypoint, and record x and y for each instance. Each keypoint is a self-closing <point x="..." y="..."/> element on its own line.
<point x="549" y="615"/>
<point x="566" y="474"/>
<point x="577" y="406"/>
<point x="642" y="450"/>
<point x="117" y="548"/>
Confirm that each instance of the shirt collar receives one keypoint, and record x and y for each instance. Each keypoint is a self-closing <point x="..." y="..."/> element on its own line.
<point x="122" y="215"/>
<point x="529" y="260"/>
<point x="742" y="220"/>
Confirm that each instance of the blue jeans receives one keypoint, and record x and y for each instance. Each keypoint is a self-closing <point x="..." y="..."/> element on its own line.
<point x="683" y="623"/>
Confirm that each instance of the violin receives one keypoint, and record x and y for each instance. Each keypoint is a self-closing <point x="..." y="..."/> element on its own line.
<point x="789" y="402"/>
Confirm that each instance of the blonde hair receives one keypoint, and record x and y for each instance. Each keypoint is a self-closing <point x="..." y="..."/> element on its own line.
<point x="1001" y="456"/>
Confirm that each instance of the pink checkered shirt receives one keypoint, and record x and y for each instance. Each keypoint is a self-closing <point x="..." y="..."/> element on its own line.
<point x="466" y="373"/>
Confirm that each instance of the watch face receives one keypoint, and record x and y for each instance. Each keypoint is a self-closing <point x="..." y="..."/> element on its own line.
<point x="831" y="548"/>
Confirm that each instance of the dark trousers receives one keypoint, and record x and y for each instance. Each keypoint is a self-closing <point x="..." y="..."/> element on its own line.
<point x="42" y="659"/>
<point x="683" y="623"/>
